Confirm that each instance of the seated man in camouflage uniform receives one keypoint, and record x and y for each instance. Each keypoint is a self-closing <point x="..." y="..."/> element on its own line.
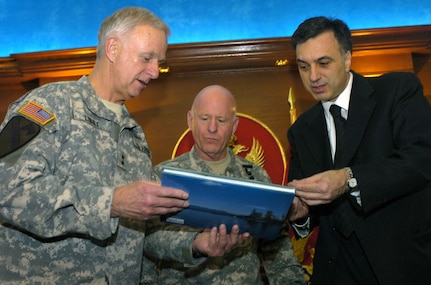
<point x="212" y="120"/>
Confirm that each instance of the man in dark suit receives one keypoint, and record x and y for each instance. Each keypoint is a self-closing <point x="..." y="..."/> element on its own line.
<point x="364" y="178"/>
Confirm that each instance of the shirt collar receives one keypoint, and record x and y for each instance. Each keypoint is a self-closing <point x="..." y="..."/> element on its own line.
<point x="343" y="99"/>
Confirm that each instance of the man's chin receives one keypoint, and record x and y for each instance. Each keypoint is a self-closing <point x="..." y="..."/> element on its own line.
<point x="135" y="94"/>
<point x="322" y="96"/>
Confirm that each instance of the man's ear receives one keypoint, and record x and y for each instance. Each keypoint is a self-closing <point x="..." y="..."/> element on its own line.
<point x="111" y="48"/>
<point x="348" y="60"/>
<point x="235" y="124"/>
<point x="189" y="119"/>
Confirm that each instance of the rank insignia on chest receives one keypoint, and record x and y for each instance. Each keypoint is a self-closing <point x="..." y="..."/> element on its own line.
<point x="37" y="113"/>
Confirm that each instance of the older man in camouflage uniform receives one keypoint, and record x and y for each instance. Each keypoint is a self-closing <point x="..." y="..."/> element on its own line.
<point x="212" y="120"/>
<point x="75" y="168"/>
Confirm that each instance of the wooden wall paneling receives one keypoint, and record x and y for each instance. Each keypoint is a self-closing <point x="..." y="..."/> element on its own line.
<point x="262" y="95"/>
<point x="259" y="72"/>
<point x="422" y="68"/>
<point x="374" y="65"/>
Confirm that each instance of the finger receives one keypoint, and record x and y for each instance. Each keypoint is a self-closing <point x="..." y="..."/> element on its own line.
<point x="176" y="193"/>
<point x="171" y="192"/>
<point x="234" y="234"/>
<point x="170" y="203"/>
<point x="222" y="229"/>
<point x="222" y="236"/>
<point x="213" y="239"/>
<point x="314" y="202"/>
<point x="244" y="236"/>
<point x="308" y="195"/>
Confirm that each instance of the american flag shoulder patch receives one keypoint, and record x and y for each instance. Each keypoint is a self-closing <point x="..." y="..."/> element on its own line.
<point x="37" y="113"/>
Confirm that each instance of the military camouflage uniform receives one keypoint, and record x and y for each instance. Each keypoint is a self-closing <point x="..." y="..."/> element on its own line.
<point x="240" y="266"/>
<point x="56" y="192"/>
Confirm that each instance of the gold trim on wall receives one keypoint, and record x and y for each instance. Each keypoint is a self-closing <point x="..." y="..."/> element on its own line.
<point x="216" y="56"/>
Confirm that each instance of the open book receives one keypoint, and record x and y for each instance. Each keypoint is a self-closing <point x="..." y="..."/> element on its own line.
<point x="258" y="208"/>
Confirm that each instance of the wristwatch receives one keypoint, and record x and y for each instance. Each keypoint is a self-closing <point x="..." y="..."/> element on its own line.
<point x="352" y="183"/>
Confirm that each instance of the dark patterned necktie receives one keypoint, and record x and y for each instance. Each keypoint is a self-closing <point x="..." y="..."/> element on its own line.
<point x="340" y="123"/>
<point x="340" y="218"/>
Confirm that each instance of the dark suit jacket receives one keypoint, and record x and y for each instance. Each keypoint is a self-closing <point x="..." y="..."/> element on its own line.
<point x="388" y="147"/>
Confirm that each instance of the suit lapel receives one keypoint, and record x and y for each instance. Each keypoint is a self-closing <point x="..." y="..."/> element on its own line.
<point x="316" y="134"/>
<point x="360" y="110"/>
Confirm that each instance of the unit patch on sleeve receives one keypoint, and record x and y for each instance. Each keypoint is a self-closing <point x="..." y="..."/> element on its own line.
<point x="37" y="113"/>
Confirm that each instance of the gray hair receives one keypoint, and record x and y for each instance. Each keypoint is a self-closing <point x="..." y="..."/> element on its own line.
<point x="124" y="21"/>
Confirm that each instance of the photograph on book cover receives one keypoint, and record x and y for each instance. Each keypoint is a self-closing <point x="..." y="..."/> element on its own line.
<point x="258" y="208"/>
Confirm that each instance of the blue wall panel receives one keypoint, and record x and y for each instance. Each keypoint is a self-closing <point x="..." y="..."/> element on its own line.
<point x="29" y="25"/>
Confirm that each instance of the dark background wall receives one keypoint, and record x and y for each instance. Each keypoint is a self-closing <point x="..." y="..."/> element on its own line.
<point x="29" y="25"/>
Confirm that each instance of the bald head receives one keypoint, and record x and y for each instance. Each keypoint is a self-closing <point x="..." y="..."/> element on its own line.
<point x="215" y="94"/>
<point x="212" y="120"/>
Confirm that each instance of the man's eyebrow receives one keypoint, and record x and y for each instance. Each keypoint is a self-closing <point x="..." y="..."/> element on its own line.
<point x="150" y="54"/>
<point x="153" y="55"/>
<point x="325" y="57"/>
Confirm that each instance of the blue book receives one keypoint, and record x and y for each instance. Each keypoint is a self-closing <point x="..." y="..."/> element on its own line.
<point x="256" y="207"/>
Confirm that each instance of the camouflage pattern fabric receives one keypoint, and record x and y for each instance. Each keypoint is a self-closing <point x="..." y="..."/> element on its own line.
<point x="241" y="265"/>
<point x="56" y="192"/>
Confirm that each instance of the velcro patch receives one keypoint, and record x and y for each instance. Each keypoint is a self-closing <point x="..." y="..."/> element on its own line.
<point x="37" y="113"/>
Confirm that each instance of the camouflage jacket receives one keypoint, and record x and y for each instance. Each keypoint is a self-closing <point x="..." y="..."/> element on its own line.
<point x="55" y="198"/>
<point x="242" y="264"/>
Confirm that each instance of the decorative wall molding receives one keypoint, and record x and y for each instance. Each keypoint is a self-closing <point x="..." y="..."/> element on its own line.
<point x="259" y="72"/>
<point x="192" y="58"/>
